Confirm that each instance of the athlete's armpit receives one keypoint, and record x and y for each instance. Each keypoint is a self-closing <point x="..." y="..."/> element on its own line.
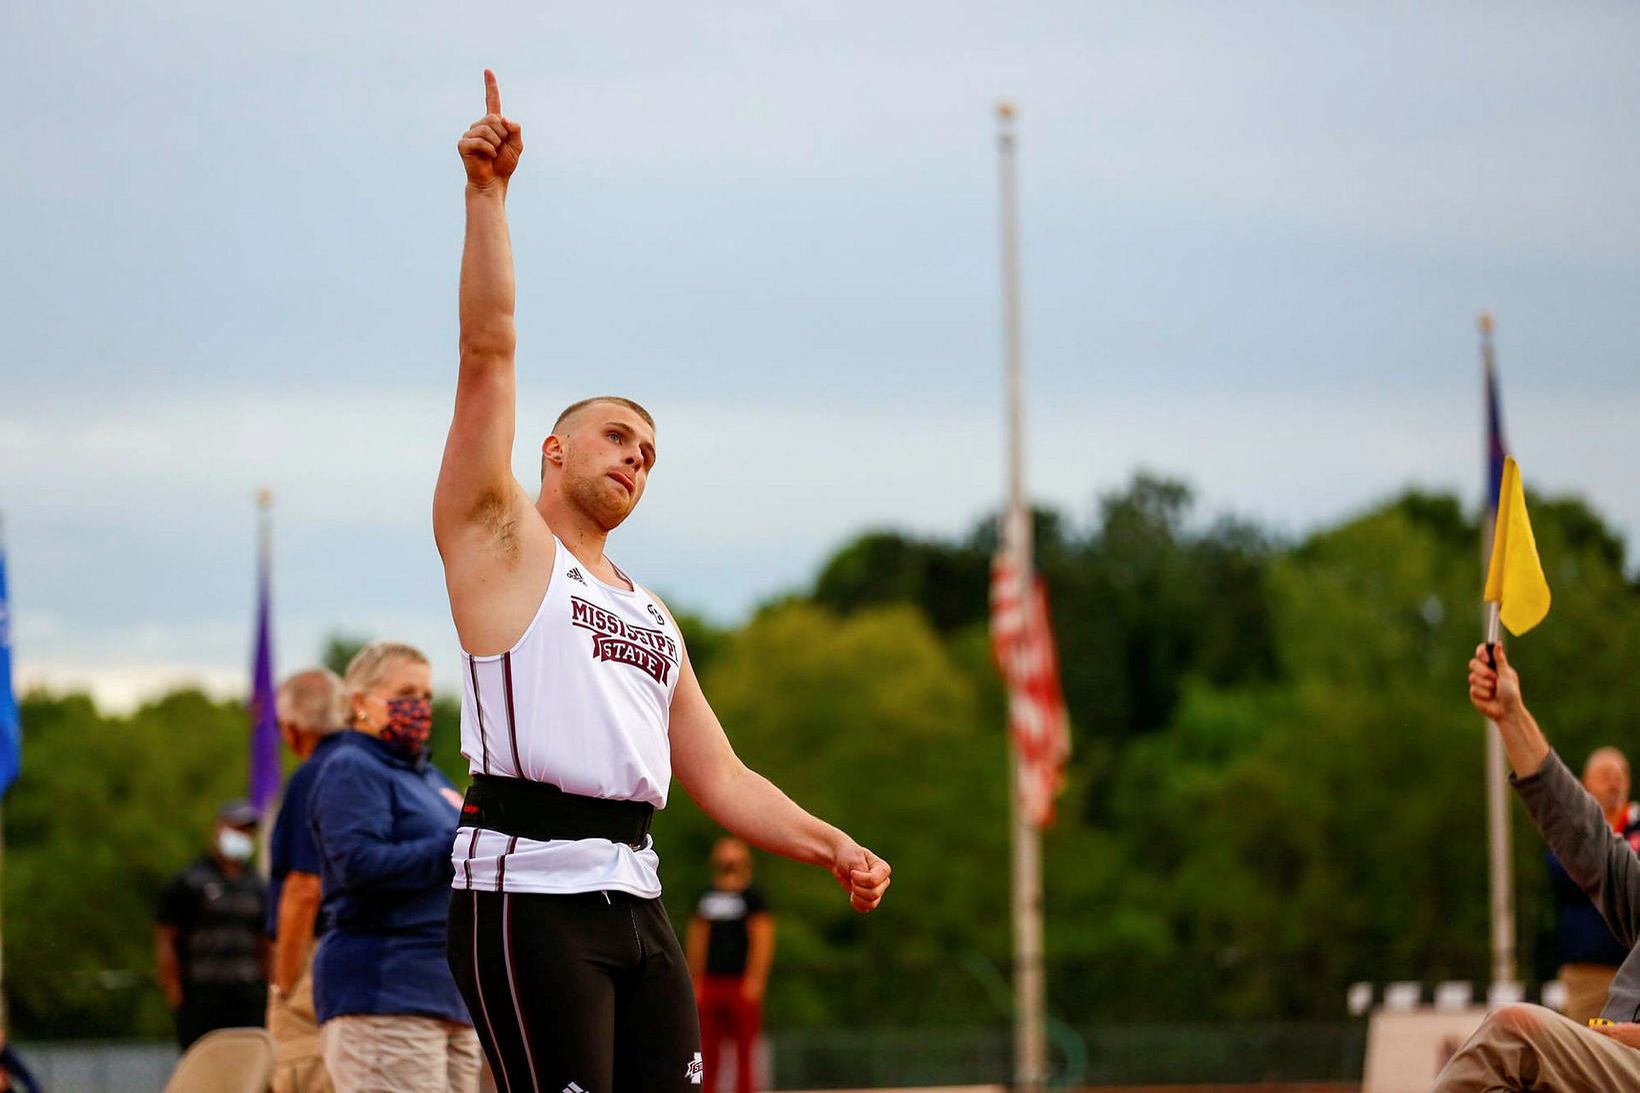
<point x="496" y="514"/>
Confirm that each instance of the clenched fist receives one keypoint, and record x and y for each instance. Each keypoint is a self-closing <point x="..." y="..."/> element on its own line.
<point x="490" y="149"/>
<point x="863" y="875"/>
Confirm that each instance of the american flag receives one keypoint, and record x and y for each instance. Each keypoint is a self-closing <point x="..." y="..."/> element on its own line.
<point x="1022" y="642"/>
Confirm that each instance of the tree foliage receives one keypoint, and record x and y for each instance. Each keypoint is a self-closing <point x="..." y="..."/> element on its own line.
<point x="1277" y="787"/>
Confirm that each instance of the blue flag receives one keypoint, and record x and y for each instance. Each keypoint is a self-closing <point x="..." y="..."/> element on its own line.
<point x="11" y="732"/>
<point x="264" y="760"/>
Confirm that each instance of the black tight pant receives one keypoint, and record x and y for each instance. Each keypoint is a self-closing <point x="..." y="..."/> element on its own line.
<point x="576" y="992"/>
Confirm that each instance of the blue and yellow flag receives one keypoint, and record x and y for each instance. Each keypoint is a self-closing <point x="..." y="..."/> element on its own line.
<point x="1514" y="579"/>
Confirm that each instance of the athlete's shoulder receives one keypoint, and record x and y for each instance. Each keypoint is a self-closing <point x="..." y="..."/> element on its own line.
<point x="494" y="526"/>
<point x="659" y="611"/>
<point x="497" y="586"/>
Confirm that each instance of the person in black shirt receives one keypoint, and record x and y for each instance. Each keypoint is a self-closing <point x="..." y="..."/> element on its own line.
<point x="210" y="950"/>
<point x="731" y="944"/>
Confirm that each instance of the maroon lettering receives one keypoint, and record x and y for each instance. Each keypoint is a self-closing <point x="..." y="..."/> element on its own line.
<point x="605" y="647"/>
<point x="614" y="639"/>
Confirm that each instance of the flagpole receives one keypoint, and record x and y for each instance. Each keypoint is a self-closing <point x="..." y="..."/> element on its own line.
<point x="1030" y="1035"/>
<point x="1497" y="775"/>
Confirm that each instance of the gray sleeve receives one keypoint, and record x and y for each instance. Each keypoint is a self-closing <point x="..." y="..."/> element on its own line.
<point x="1595" y="856"/>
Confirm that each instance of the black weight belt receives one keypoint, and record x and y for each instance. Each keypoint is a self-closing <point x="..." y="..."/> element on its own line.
<point x="536" y="810"/>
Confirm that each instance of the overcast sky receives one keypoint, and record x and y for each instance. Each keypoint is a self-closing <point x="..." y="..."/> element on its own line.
<point x="1256" y="238"/>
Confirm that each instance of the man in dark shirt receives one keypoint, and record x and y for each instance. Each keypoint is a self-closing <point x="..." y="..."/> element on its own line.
<point x="1589" y="954"/>
<point x="731" y="944"/>
<point x="312" y="713"/>
<point x="210" y="952"/>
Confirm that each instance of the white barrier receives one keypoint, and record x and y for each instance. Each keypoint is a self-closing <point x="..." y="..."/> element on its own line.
<point x="1405" y="1050"/>
<point x="1409" y="1041"/>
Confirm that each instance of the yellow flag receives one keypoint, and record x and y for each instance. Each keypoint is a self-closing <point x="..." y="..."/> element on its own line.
<point x="1514" y="580"/>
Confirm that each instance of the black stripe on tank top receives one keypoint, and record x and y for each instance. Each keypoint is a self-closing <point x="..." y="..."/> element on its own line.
<point x="478" y="708"/>
<point x="501" y="864"/>
<point x="512" y="718"/>
<point x="467" y="865"/>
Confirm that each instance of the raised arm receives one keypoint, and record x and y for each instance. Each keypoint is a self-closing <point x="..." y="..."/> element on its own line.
<point x="1570" y="820"/>
<point x="475" y="483"/>
<point x="1495" y="694"/>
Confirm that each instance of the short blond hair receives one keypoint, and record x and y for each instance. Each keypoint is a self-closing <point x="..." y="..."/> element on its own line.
<point x="313" y="701"/>
<point x="369" y="664"/>
<point x="576" y="407"/>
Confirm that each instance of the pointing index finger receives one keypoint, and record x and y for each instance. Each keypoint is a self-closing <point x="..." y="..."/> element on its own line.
<point x="492" y="94"/>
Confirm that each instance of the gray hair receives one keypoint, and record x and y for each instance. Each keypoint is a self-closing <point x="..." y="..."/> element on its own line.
<point x="370" y="664"/>
<point x="312" y="701"/>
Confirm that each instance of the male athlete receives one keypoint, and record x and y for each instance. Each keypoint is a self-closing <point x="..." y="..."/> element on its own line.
<point x="579" y="704"/>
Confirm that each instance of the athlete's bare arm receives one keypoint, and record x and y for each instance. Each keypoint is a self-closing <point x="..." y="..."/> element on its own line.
<point x="496" y="548"/>
<point x="752" y="807"/>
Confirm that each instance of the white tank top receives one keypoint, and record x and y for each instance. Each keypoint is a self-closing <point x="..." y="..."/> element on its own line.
<point x="581" y="702"/>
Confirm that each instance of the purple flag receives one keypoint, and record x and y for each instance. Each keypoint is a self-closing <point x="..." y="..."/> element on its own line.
<point x="264" y="763"/>
<point x="1496" y="449"/>
<point x="11" y="735"/>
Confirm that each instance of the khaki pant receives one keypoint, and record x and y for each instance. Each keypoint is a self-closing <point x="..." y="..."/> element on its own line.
<point x="1586" y="989"/>
<point x="379" y="1053"/>
<point x="1529" y="1047"/>
<point x="299" y="1065"/>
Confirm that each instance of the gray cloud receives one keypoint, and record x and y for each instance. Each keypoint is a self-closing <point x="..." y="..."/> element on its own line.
<point x="1256" y="237"/>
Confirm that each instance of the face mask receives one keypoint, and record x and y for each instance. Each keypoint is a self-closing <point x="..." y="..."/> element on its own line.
<point x="235" y="845"/>
<point x="409" y="724"/>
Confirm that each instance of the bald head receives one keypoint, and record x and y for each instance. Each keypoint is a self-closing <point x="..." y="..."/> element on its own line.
<point x="1606" y="777"/>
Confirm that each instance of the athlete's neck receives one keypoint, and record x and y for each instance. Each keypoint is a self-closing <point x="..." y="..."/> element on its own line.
<point x="582" y="537"/>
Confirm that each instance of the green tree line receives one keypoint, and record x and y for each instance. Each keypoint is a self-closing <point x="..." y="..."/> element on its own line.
<point x="1276" y="789"/>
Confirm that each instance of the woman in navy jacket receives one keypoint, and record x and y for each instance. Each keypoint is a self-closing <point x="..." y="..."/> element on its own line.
<point x="384" y="819"/>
